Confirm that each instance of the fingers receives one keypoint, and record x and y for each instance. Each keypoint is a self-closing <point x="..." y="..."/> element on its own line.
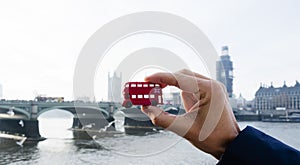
<point x="189" y="100"/>
<point x="194" y="74"/>
<point x="158" y="116"/>
<point x="180" y="124"/>
<point x="163" y="78"/>
<point x="182" y="80"/>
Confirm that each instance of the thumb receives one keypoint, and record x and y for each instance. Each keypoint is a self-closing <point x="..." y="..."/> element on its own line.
<point x="158" y="116"/>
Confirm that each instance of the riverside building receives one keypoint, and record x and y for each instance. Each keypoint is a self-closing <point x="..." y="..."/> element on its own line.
<point x="280" y="98"/>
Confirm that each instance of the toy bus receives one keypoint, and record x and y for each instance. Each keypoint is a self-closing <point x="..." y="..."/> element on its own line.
<point x="142" y="93"/>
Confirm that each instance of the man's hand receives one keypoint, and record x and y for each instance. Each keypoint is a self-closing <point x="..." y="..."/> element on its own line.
<point x="208" y="123"/>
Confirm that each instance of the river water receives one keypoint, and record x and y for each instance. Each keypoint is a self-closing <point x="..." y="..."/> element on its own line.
<point x="159" y="148"/>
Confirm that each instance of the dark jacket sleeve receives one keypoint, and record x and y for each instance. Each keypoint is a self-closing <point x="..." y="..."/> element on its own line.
<point x="254" y="147"/>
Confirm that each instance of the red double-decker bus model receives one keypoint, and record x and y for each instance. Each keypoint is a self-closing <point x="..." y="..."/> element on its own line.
<point x="142" y="93"/>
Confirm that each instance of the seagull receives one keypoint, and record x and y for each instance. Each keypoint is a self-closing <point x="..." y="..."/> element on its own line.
<point x="105" y="127"/>
<point x="88" y="126"/>
<point x="11" y="111"/>
<point x="21" y="123"/>
<point x="20" y="143"/>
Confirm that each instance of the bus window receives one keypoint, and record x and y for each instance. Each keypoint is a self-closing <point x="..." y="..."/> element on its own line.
<point x="140" y="96"/>
<point x="133" y="96"/>
<point x="156" y="90"/>
<point x="133" y="85"/>
<point x="146" y="96"/>
<point x="127" y="85"/>
<point x="157" y="85"/>
<point x="151" y="85"/>
<point x="145" y="85"/>
<point x="139" y="85"/>
<point x="152" y="96"/>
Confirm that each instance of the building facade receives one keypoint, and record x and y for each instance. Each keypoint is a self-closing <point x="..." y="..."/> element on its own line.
<point x="241" y="102"/>
<point x="225" y="70"/>
<point x="176" y="98"/>
<point x="114" y="87"/>
<point x="281" y="98"/>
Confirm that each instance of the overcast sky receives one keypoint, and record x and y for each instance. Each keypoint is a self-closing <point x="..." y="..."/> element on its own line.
<point x="40" y="41"/>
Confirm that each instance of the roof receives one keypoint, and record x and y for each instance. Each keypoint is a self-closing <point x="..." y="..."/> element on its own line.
<point x="283" y="89"/>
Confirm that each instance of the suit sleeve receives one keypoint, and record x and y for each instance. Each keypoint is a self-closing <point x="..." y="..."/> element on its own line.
<point x="252" y="146"/>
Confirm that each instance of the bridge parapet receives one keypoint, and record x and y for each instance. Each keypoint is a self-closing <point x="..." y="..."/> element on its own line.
<point x="32" y="109"/>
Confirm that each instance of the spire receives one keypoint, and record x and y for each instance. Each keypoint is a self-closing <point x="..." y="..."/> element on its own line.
<point x="271" y="84"/>
<point x="297" y="83"/>
<point x="284" y="84"/>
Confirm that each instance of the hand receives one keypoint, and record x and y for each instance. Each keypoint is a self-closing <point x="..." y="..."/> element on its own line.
<point x="208" y="123"/>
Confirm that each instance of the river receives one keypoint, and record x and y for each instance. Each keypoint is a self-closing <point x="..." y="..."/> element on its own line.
<point x="159" y="148"/>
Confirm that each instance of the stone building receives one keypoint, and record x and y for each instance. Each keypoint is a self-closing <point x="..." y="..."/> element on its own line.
<point x="176" y="98"/>
<point x="281" y="98"/>
<point x="241" y="102"/>
<point x="114" y="87"/>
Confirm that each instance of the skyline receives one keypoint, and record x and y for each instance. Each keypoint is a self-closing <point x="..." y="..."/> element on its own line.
<point x="40" y="42"/>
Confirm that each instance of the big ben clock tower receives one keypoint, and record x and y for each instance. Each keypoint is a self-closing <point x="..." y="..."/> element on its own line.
<point x="225" y="70"/>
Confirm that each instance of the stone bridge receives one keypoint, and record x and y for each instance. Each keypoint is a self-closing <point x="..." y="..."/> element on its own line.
<point x="20" y="117"/>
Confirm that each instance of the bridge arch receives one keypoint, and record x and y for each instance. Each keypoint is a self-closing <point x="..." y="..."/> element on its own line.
<point x="294" y="113"/>
<point x="72" y="109"/>
<point x="15" y="109"/>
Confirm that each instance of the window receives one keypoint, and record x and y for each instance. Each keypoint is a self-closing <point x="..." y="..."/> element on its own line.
<point x="157" y="85"/>
<point x="159" y="99"/>
<point x="133" y="85"/>
<point x="146" y="96"/>
<point x="139" y="85"/>
<point x="140" y="96"/>
<point x="230" y="73"/>
<point x="223" y="74"/>
<point x="152" y="96"/>
<point x="156" y="90"/>
<point x="133" y="96"/>
<point x="151" y="85"/>
<point x="127" y="85"/>
<point x="145" y="85"/>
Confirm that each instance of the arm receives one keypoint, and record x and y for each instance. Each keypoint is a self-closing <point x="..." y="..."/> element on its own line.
<point x="252" y="146"/>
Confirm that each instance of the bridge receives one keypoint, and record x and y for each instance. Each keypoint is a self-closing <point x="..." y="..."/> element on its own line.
<point x="20" y="117"/>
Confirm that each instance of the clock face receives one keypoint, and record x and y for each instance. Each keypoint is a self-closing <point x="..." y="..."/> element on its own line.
<point x="225" y="52"/>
